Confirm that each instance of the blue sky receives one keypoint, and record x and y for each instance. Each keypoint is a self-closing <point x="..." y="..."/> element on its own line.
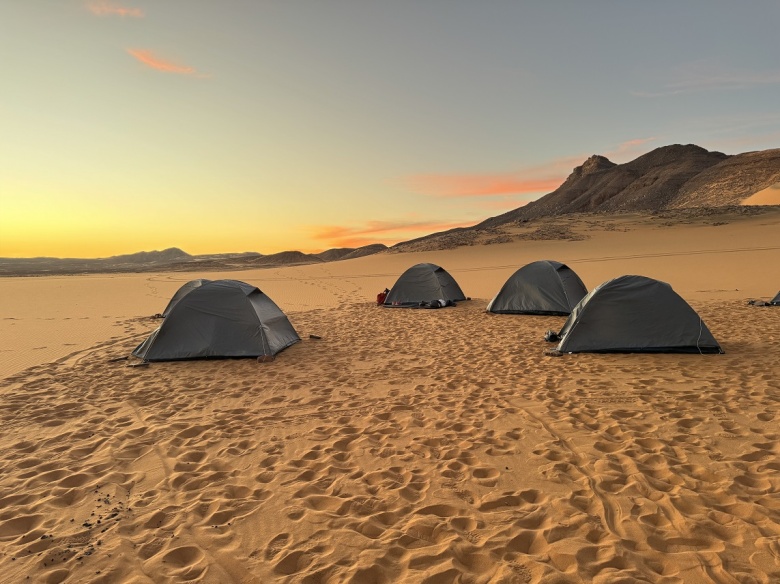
<point x="265" y="126"/>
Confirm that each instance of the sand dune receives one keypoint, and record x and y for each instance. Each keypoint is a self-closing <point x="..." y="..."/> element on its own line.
<point x="767" y="196"/>
<point x="428" y="446"/>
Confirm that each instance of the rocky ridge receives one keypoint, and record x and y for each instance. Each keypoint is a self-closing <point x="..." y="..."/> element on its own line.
<point x="676" y="177"/>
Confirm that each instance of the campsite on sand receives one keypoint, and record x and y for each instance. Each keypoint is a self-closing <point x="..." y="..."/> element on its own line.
<point x="390" y="445"/>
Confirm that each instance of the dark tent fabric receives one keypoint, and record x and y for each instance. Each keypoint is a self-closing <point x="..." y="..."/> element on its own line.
<point x="222" y="318"/>
<point x="775" y="300"/>
<point x="543" y="287"/>
<point x="182" y="292"/>
<point x="423" y="283"/>
<point x="635" y="314"/>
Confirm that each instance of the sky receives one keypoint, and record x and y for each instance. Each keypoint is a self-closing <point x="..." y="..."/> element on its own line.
<point x="258" y="125"/>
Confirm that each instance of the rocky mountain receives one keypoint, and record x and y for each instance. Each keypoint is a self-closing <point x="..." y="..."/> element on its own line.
<point x="366" y="250"/>
<point x="172" y="254"/>
<point x="335" y="254"/>
<point x="679" y="178"/>
<point x="285" y="258"/>
<point x="670" y="177"/>
<point x="731" y="181"/>
<point x="291" y="258"/>
<point x="348" y="253"/>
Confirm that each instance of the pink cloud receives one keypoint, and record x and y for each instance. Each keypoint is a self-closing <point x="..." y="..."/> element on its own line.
<point x="532" y="180"/>
<point x="477" y="185"/>
<point x="151" y="60"/>
<point x="539" y="179"/>
<point x="111" y="9"/>
<point x="379" y="231"/>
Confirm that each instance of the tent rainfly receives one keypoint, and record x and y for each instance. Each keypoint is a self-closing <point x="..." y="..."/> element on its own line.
<point x="423" y="283"/>
<point x="635" y="314"/>
<point x="776" y="300"/>
<point x="182" y="292"/>
<point x="221" y="318"/>
<point x="543" y="287"/>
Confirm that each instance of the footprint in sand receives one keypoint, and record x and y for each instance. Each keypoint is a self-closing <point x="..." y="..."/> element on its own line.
<point x="276" y="545"/>
<point x="185" y="562"/>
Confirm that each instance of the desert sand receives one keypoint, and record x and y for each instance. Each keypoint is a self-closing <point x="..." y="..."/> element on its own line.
<point x="767" y="196"/>
<point x="425" y="446"/>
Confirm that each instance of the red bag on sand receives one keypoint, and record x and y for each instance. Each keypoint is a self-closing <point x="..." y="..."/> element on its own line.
<point x="380" y="298"/>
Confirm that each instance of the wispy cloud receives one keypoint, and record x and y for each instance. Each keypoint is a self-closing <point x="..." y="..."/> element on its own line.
<point x="388" y="232"/>
<point x="113" y="9"/>
<point x="158" y="63"/>
<point x="480" y="185"/>
<point x="530" y="180"/>
<point x="702" y="76"/>
<point x="500" y="190"/>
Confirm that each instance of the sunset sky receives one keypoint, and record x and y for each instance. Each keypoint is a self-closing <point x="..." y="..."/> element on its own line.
<point x="227" y="126"/>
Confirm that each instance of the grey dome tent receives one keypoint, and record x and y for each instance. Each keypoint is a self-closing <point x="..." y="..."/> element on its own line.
<point x="635" y="314"/>
<point x="776" y="300"/>
<point x="543" y="287"/>
<point x="222" y="318"/>
<point x="182" y="292"/>
<point x="423" y="283"/>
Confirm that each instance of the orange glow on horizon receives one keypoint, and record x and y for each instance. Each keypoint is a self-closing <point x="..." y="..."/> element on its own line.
<point x="382" y="231"/>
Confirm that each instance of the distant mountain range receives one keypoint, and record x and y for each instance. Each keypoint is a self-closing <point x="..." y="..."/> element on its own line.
<point x="173" y="259"/>
<point x="667" y="178"/>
